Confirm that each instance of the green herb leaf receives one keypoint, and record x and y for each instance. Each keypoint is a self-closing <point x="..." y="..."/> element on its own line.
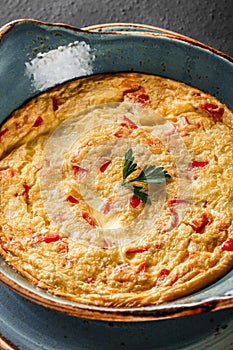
<point x="149" y="174"/>
<point x="129" y="166"/>
<point x="129" y="155"/>
<point x="141" y="194"/>
<point x="152" y="175"/>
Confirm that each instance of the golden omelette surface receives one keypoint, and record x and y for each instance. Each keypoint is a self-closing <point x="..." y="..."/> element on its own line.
<point x="70" y="226"/>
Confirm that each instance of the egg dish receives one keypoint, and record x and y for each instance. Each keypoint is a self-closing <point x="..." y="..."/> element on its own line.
<point x="117" y="190"/>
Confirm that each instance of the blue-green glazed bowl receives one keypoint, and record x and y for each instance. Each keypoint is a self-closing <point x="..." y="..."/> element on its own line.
<point x="105" y="49"/>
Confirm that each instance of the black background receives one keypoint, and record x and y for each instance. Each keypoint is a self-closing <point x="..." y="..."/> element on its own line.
<point x="210" y="22"/>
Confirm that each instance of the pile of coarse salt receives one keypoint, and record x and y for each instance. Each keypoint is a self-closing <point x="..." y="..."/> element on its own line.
<point x="59" y="65"/>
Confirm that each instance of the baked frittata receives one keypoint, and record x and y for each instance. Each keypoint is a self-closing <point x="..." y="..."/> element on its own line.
<point x="117" y="190"/>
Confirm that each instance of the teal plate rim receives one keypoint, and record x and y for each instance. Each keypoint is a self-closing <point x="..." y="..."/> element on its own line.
<point x="31" y="36"/>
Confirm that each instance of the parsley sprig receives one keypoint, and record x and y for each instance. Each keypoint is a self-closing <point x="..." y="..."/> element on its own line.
<point x="149" y="174"/>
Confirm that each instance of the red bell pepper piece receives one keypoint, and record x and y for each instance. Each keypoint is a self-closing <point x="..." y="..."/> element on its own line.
<point x="134" y="201"/>
<point x="164" y="272"/>
<point x="56" y="103"/>
<point x="86" y="216"/>
<point x="26" y="188"/>
<point x="3" y="133"/>
<point x="39" y="120"/>
<point x="107" y="207"/>
<point x="79" y="172"/>
<point x="213" y="111"/>
<point x="200" y="227"/>
<point x="135" y="250"/>
<point x="162" y="275"/>
<point x="198" y="164"/>
<point x="143" y="99"/>
<point x="132" y="90"/>
<point x="104" y="166"/>
<point x="228" y="245"/>
<point x="128" y="122"/>
<point x="138" y="94"/>
<point x="72" y="199"/>
<point x="141" y="267"/>
<point x="174" y="201"/>
<point x="174" y="221"/>
<point x="53" y="238"/>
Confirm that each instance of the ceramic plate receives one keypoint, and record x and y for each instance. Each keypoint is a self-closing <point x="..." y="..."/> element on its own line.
<point x="109" y="48"/>
<point x="28" y="326"/>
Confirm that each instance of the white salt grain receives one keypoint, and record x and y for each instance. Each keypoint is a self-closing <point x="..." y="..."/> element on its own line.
<point x="59" y="65"/>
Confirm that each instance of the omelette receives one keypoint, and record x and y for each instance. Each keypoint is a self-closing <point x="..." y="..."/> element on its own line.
<point x="117" y="190"/>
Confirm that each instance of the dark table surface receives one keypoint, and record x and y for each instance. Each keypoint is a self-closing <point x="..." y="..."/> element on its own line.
<point x="209" y="21"/>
